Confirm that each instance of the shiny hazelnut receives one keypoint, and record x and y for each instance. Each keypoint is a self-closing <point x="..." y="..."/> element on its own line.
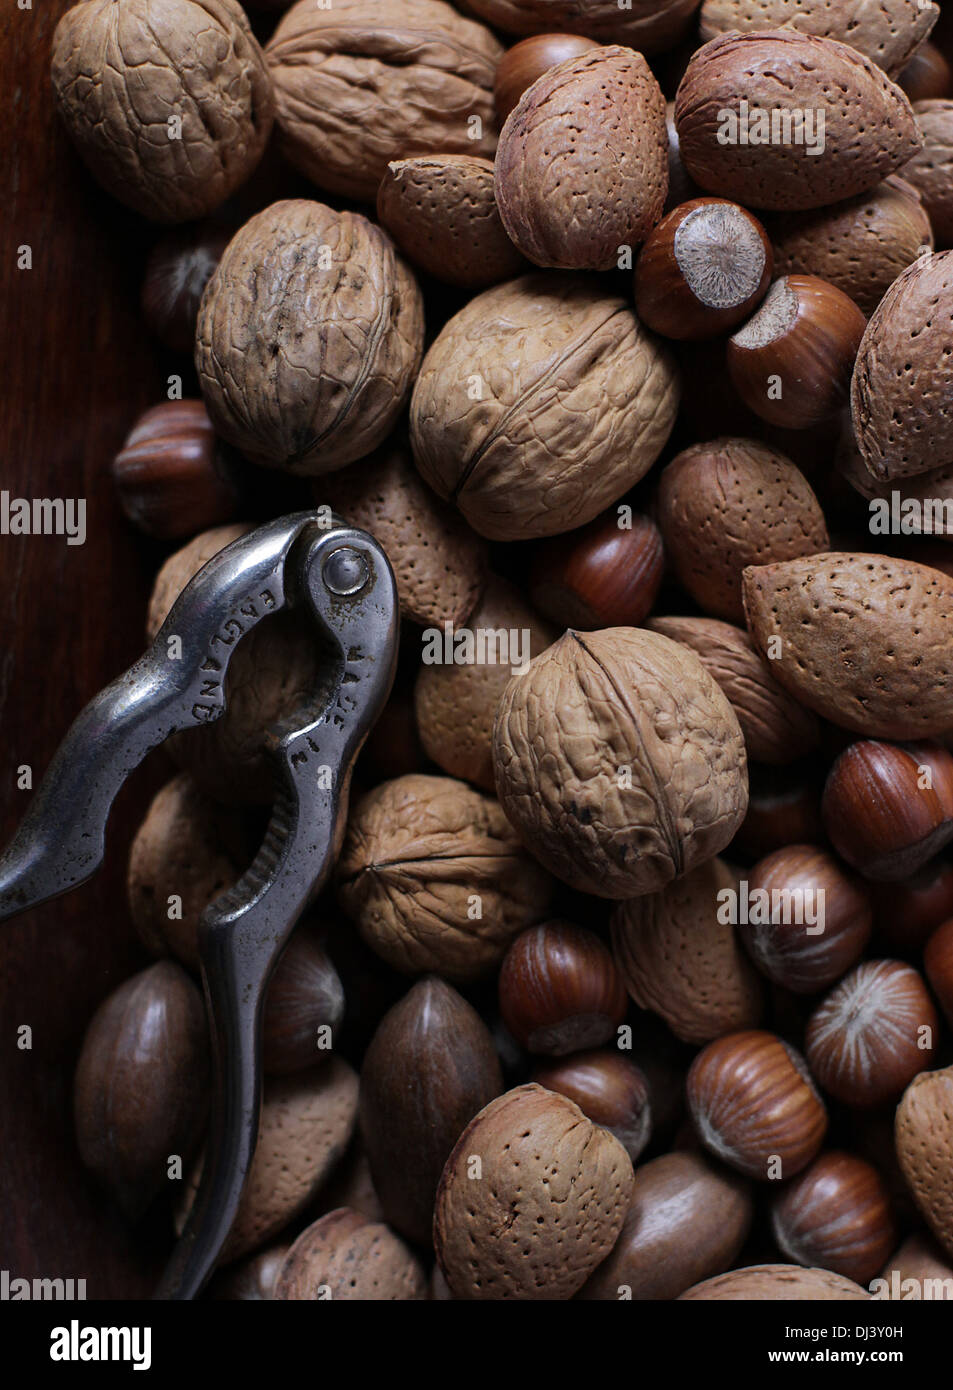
<point x="927" y="76"/>
<point x="173" y="476"/>
<point x="938" y="966"/>
<point x="906" y="913"/>
<point x="559" y="990"/>
<point x="817" y="922"/>
<point x="702" y="270"/>
<point x="784" y="808"/>
<point x="835" y="1215"/>
<point x="525" y="61"/>
<point x="609" y="1089"/>
<point x="791" y="363"/>
<point x="872" y="1034"/>
<point x="179" y="267"/>
<point x="888" y="807"/>
<point x="755" y="1106"/>
<point x="304" y="1007"/>
<point x="603" y="575"/>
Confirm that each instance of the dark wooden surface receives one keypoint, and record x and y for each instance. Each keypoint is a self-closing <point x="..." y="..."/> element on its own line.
<point x="77" y="368"/>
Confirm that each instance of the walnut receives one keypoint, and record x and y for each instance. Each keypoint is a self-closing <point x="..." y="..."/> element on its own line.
<point x="363" y="82"/>
<point x="169" y="102"/>
<point x="539" y="404"/>
<point x="309" y="337"/>
<point x="438" y="562"/>
<point x="620" y="761"/>
<point x="436" y="879"/>
<point x="189" y="846"/>
<point x="651" y="26"/>
<point x="273" y="671"/>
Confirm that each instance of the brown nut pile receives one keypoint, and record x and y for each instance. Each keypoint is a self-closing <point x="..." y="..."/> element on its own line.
<point x="635" y="975"/>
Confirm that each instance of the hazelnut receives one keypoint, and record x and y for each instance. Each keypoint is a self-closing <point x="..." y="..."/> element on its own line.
<point x="906" y="913"/>
<point x="550" y="1172"/>
<point x="620" y="761"/>
<point x="455" y="704"/>
<point x="871" y="1035"/>
<point x="776" y="728"/>
<point x="836" y="1215"/>
<point x="524" y="62"/>
<point x="687" y="1220"/>
<point x="859" y="246"/>
<point x="806" y="956"/>
<point x="784" y="808"/>
<point x="438" y="562"/>
<point x="848" y="647"/>
<point x="927" y="76"/>
<point x="309" y="337"/>
<point x="345" y="1256"/>
<point x="730" y="503"/>
<point x="559" y="990"/>
<point x="172" y="475"/>
<point x="140" y="1093"/>
<point x="179" y="267"/>
<point x="186" y="853"/>
<point x="304" y="1006"/>
<point x="888" y="808"/>
<point x="679" y="956"/>
<point x="520" y="457"/>
<point x="436" y="878"/>
<point x="869" y="132"/>
<point x="702" y="270"/>
<point x="430" y="1067"/>
<point x="609" y="1090"/>
<point x="924" y="1136"/>
<point x="368" y="81"/>
<point x="605" y="574"/>
<point x="563" y="203"/>
<point x="441" y="211"/>
<point x="776" y="1283"/>
<point x="938" y="966"/>
<point x="117" y="83"/>
<point x="755" y="1106"/>
<point x="791" y="362"/>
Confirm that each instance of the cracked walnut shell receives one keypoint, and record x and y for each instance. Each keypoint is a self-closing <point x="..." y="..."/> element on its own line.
<point x="539" y="404"/>
<point x="361" y="82"/>
<point x="620" y="761"/>
<point x="308" y="338"/>
<point x="436" y="878"/>
<point x="168" y="101"/>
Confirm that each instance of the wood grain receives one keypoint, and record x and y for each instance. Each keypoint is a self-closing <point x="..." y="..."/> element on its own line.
<point x="77" y="369"/>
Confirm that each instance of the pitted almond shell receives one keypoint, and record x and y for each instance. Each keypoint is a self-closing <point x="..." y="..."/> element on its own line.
<point x="900" y="392"/>
<point x="924" y="1138"/>
<point x="864" y="640"/>
<point x="682" y="962"/>
<point x="531" y="1200"/>
<point x="868" y="132"/>
<point x="343" y="1256"/>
